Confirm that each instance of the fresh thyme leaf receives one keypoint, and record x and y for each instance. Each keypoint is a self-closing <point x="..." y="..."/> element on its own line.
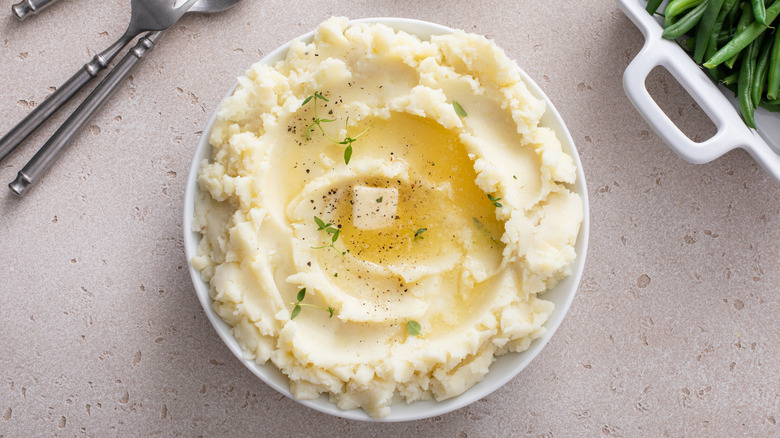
<point x="418" y="233"/>
<point x="335" y="236"/>
<point x="336" y="274"/>
<point x="295" y="311"/>
<point x="320" y="223"/>
<point x="320" y="96"/>
<point x="495" y="201"/>
<point x="514" y="176"/>
<point x="413" y="327"/>
<point x="305" y="101"/>
<point x="459" y="109"/>
<point x="379" y="199"/>
<point x="327" y="120"/>
<point x="301" y="294"/>
<point x="331" y="310"/>
<point x="348" y="153"/>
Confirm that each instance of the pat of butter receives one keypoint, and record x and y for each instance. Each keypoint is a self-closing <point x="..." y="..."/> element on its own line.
<point x="373" y="207"/>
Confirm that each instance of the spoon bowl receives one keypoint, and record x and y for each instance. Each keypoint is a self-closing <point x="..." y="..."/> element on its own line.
<point x="212" y="6"/>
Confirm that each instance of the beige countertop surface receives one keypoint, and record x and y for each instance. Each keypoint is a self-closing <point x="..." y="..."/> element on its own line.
<point x="673" y="332"/>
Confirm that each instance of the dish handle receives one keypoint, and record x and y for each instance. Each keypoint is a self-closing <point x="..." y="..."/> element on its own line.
<point x="731" y="130"/>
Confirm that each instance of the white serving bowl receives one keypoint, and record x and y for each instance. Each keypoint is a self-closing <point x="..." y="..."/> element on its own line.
<point x="502" y="370"/>
<point x="718" y="102"/>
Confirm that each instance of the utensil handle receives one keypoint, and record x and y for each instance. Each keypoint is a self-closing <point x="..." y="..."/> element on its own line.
<point x="37" y="116"/>
<point x="42" y="112"/>
<point x="29" y="7"/>
<point x="46" y="156"/>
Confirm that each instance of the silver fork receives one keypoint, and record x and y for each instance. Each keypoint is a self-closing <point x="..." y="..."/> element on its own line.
<point x="146" y="15"/>
<point x="29" y="7"/>
<point x="46" y="156"/>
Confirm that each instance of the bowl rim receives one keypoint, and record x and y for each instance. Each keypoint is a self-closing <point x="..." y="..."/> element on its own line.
<point x="514" y="363"/>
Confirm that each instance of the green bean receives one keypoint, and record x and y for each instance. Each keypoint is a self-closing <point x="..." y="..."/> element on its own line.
<point x="732" y="17"/>
<point x="730" y="79"/>
<point x="725" y="36"/>
<point x="773" y="88"/>
<point x="652" y="6"/>
<point x="731" y="13"/>
<point x="728" y="6"/>
<point x="762" y="66"/>
<point x="712" y="44"/>
<point x="686" y="23"/>
<point x="744" y="21"/>
<point x="744" y="38"/>
<point x="759" y="11"/>
<point x="677" y="7"/>
<point x="706" y="25"/>
<point x="687" y="43"/>
<point x="775" y="108"/>
<point x="746" y="73"/>
<point x="724" y="32"/>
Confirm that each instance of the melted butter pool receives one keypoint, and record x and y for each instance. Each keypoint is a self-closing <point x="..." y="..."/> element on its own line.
<point x="440" y="196"/>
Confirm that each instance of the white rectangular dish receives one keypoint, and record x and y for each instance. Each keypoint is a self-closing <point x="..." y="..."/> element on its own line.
<point x="717" y="102"/>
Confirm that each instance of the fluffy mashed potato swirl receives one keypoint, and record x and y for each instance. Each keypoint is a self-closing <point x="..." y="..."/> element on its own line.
<point x="456" y="222"/>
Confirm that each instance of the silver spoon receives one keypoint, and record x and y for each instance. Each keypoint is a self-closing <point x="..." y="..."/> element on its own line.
<point x="46" y="156"/>
<point x="145" y="16"/>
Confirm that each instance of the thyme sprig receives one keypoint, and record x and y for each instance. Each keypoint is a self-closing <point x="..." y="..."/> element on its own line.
<point x="297" y="305"/>
<point x="348" y="140"/>
<point x="317" y="121"/>
<point x="333" y="231"/>
<point x="481" y="227"/>
<point x="418" y="234"/>
<point x="495" y="200"/>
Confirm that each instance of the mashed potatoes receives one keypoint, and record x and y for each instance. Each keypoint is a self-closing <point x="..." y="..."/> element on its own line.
<point x="393" y="249"/>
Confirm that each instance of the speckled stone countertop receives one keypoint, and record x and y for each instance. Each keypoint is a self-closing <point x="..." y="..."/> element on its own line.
<point x="674" y="330"/>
